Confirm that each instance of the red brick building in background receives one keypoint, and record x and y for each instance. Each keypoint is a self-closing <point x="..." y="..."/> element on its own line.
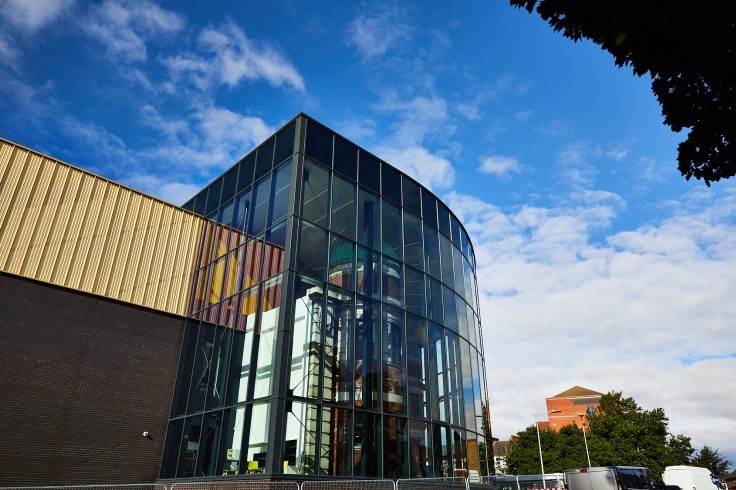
<point x="567" y="407"/>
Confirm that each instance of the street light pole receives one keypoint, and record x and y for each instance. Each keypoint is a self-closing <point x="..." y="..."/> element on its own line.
<point x="539" y="442"/>
<point x="585" y="439"/>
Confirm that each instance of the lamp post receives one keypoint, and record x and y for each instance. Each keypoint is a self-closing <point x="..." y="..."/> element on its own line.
<point x="539" y="442"/>
<point x="585" y="439"/>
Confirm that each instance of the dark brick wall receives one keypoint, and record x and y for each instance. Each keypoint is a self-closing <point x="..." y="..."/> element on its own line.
<point x="81" y="379"/>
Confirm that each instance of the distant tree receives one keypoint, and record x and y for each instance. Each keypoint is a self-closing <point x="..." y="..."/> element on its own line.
<point x="711" y="459"/>
<point x="622" y="433"/>
<point x="561" y="451"/>
<point x="689" y="50"/>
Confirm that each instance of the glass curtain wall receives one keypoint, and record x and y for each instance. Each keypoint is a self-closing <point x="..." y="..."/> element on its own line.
<point x="384" y="368"/>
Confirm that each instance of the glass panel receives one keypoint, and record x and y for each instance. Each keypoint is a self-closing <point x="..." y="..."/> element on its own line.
<point x="475" y="447"/>
<point x="367" y="439"/>
<point x="446" y="247"/>
<point x="226" y="213"/>
<point x="395" y="445"/>
<point x="369" y="172"/>
<point x="338" y="362"/>
<point x="477" y="396"/>
<point x="242" y="211"/>
<point x="443" y="216"/>
<point x="300" y="441"/>
<point x="186" y="363"/>
<point x="336" y="445"/>
<point x="393" y="282"/>
<point x="346" y="158"/>
<point x="411" y="197"/>
<point x="441" y="451"/>
<point x="392" y="231"/>
<point x="460" y="453"/>
<point x="450" y="311"/>
<point x="284" y="143"/>
<point x="369" y="232"/>
<point x="394" y="370"/>
<point x="213" y="196"/>
<point x="281" y="192"/>
<point x="265" y="339"/>
<point x="417" y="365"/>
<point x="472" y="328"/>
<point x="264" y="159"/>
<point x="454" y="364"/>
<point x="174" y="449"/>
<point x="467" y="376"/>
<point x="274" y="250"/>
<point x="419" y="460"/>
<point x="368" y="270"/>
<point x="390" y="183"/>
<point x="190" y="450"/>
<point x="429" y="208"/>
<point x="261" y="193"/>
<point x="229" y="183"/>
<point x="341" y="270"/>
<point x="219" y="364"/>
<point x="312" y="248"/>
<point x="319" y="143"/>
<point x="231" y="442"/>
<point x="455" y="231"/>
<point x="431" y="252"/>
<point x="258" y="438"/>
<point x="207" y="459"/>
<point x="367" y="351"/>
<point x="467" y="279"/>
<point x="434" y="300"/>
<point x="315" y="193"/>
<point x="245" y="173"/>
<point x="202" y="367"/>
<point x="306" y="344"/>
<point x="462" y="320"/>
<point x="413" y="250"/>
<point x="200" y="202"/>
<point x="414" y="288"/>
<point x="343" y="207"/>
<point x="240" y="356"/>
<point x="459" y="284"/>
<point x="438" y="373"/>
<point x="252" y="262"/>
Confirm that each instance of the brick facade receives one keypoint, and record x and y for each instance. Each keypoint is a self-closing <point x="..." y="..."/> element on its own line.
<point x="81" y="379"/>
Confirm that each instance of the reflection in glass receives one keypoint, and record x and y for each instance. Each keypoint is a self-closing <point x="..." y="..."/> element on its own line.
<point x="367" y="277"/>
<point x="343" y="207"/>
<point x="366" y="440"/>
<point x="306" y="338"/>
<point x="392" y="231"/>
<point x="258" y="437"/>
<point x="367" y="351"/>
<point x="394" y="373"/>
<point x="240" y="356"/>
<point x="300" y="441"/>
<point x="231" y="442"/>
<point x="417" y="365"/>
<point x="454" y="371"/>
<point x="202" y="367"/>
<point x="315" y="191"/>
<point x="280" y="192"/>
<point x="418" y="450"/>
<point x="395" y="439"/>
<point x="434" y="300"/>
<point x="337" y="444"/>
<point x="438" y="373"/>
<point x="338" y="361"/>
<point x="261" y="193"/>
<point x="265" y="339"/>
<point x="414" y="290"/>
<point x="312" y="249"/>
<point x="341" y="263"/>
<point x="369" y="231"/>
<point x="441" y="451"/>
<point x="431" y="252"/>
<point x="392" y="282"/>
<point x="413" y="250"/>
<point x="448" y="276"/>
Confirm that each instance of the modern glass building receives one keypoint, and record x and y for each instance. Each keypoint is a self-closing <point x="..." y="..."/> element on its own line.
<point x="333" y="326"/>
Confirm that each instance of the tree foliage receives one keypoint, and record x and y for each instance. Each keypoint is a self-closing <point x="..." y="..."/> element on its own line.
<point x="711" y="459"/>
<point x="689" y="50"/>
<point x="618" y="433"/>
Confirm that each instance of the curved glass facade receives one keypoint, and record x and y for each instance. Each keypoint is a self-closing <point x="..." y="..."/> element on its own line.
<point x="334" y="326"/>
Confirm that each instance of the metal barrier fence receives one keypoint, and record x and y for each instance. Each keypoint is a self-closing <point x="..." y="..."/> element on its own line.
<point x="449" y="483"/>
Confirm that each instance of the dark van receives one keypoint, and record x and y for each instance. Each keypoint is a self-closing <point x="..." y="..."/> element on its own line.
<point x="612" y="478"/>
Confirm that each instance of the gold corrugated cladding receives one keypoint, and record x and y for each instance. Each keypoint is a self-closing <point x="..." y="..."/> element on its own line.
<point x="65" y="226"/>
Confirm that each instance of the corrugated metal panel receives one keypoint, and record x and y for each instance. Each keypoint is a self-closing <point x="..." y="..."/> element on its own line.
<point x="61" y="225"/>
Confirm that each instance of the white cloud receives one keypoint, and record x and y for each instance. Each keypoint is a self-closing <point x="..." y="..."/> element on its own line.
<point x="432" y="171"/>
<point x="649" y="312"/>
<point x="375" y="33"/>
<point x="498" y="165"/>
<point x="124" y="26"/>
<point x="230" y="57"/>
<point x="173" y="192"/>
<point x="32" y="15"/>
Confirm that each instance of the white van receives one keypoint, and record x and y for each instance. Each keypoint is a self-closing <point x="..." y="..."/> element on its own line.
<point x="690" y="478"/>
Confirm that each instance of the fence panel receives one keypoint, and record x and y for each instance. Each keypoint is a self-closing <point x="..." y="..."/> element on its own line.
<point x="448" y="483"/>
<point x="239" y="484"/>
<point x="132" y="486"/>
<point x="348" y="485"/>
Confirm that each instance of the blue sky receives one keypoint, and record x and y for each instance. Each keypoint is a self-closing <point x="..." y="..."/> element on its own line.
<point x="599" y="265"/>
